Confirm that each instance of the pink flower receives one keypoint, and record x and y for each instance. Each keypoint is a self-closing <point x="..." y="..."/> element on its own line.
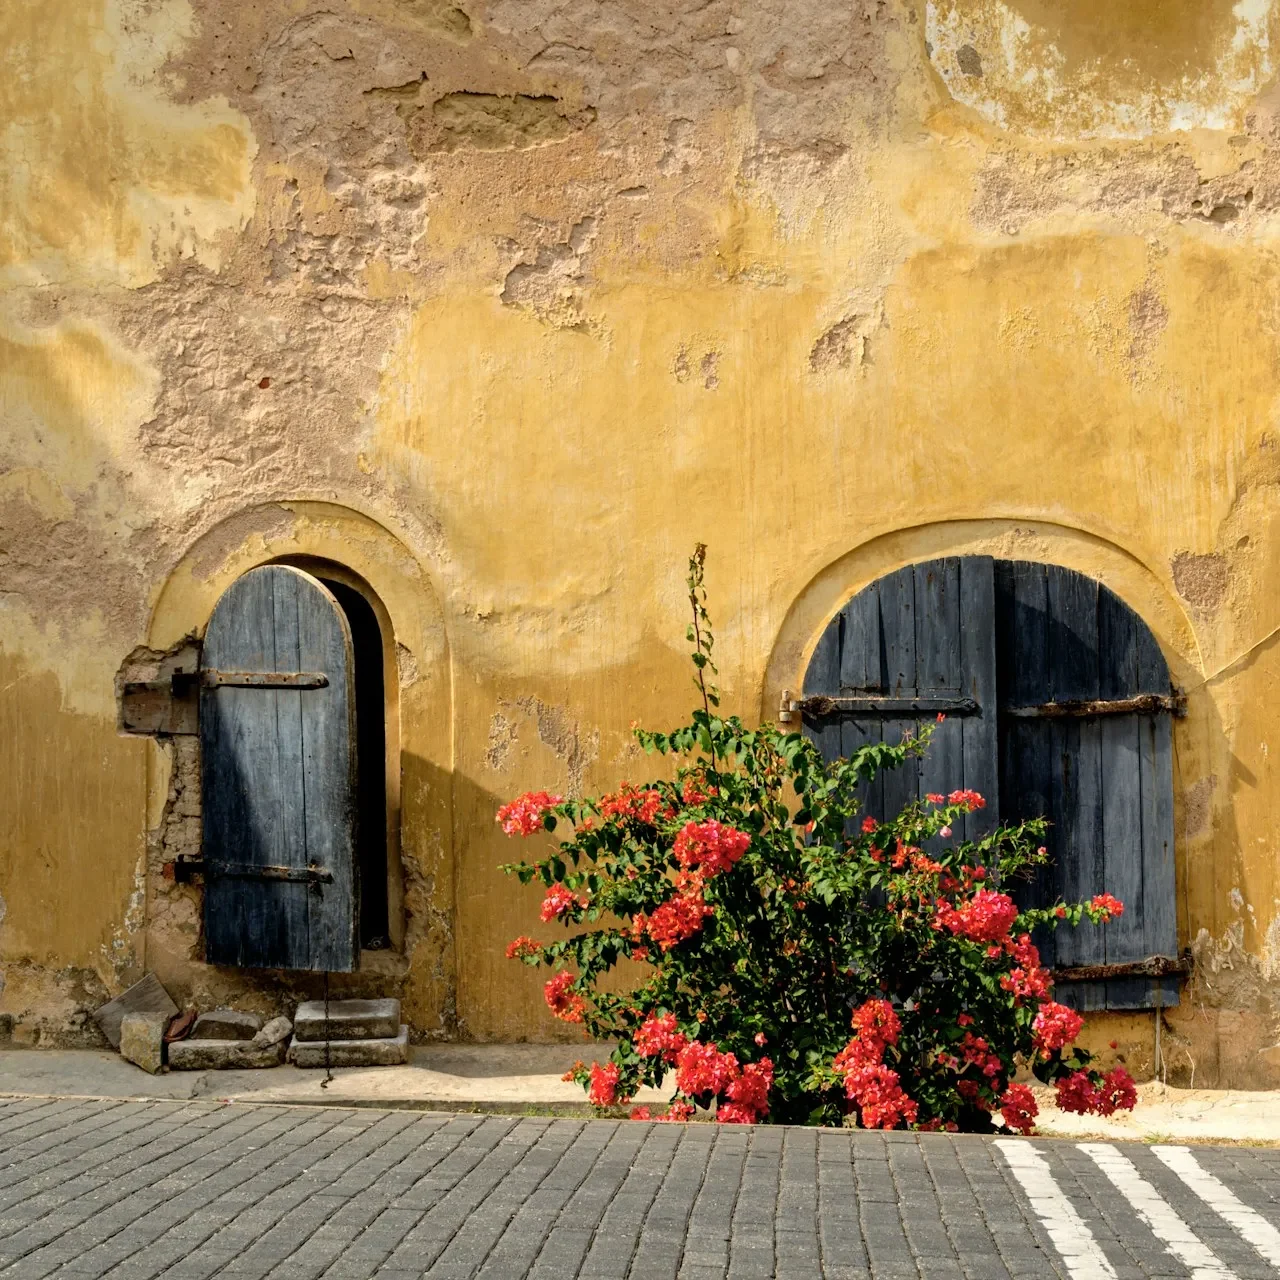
<point x="935" y="797"/>
<point x="1076" y="1093"/>
<point x="971" y="800"/>
<point x="710" y="846"/>
<point x="603" y="1091"/>
<point x="640" y="1113"/>
<point x="524" y="815"/>
<point x="557" y="902"/>
<point x="1055" y="1027"/>
<point x="1018" y="1107"/>
<point x="945" y="833"/>
<point x="761" y="1039"/>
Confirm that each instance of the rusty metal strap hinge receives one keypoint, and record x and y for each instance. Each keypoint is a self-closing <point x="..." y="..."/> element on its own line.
<point x="1149" y="704"/>
<point x="926" y="703"/>
<point x="254" y="871"/>
<point x="1151" y="967"/>
<point x="187" y="868"/>
<point x="211" y="679"/>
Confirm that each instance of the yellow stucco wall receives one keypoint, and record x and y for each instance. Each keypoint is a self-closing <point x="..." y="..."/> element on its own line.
<point x="505" y="308"/>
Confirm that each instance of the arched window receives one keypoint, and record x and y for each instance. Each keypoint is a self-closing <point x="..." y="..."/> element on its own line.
<point x="1058" y="704"/>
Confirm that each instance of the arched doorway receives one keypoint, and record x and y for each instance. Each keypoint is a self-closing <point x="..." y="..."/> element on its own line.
<point x="1058" y="703"/>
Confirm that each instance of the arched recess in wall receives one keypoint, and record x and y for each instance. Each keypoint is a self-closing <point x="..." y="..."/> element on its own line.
<point x="864" y="613"/>
<point x="392" y="608"/>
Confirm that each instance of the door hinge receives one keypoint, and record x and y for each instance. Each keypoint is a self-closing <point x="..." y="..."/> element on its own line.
<point x="928" y="702"/>
<point x="187" y="867"/>
<point x="213" y="679"/>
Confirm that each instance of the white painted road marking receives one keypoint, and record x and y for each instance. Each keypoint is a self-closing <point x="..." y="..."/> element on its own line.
<point x="1069" y="1232"/>
<point x="1157" y="1213"/>
<point x="1248" y="1222"/>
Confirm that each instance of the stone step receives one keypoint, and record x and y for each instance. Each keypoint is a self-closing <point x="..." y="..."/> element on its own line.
<point x="381" y="1051"/>
<point x="348" y="1020"/>
<point x="227" y="1024"/>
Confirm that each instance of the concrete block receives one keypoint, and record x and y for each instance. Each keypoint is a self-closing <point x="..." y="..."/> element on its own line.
<point x="223" y="1055"/>
<point x="142" y="1040"/>
<point x="385" y="1051"/>
<point x="227" y="1024"/>
<point x="348" y="1020"/>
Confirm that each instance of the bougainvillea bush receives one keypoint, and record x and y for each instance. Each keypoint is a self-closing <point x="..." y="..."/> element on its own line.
<point x="806" y="962"/>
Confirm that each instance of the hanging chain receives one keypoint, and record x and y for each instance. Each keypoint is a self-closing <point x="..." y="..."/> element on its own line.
<point x="328" y="1032"/>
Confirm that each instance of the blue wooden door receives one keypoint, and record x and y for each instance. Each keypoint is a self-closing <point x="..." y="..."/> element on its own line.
<point x="1058" y="703"/>
<point x="278" y="776"/>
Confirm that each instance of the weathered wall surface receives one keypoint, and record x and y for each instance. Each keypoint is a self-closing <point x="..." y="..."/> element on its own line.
<point x="505" y="303"/>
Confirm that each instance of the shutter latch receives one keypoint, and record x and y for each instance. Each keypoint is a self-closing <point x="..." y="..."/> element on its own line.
<point x="212" y="679"/>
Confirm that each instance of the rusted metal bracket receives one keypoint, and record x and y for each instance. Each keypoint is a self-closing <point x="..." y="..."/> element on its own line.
<point x="929" y="702"/>
<point x="1147" y="704"/>
<point x="163" y="708"/>
<point x="213" y="679"/>
<point x="185" y="870"/>
<point x="1151" y="967"/>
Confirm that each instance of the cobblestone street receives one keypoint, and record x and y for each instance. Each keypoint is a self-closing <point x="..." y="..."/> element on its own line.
<point x="190" y="1190"/>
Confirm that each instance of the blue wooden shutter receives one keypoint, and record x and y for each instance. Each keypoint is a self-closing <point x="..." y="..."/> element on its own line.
<point x="278" y="776"/>
<point x="1104" y="782"/>
<point x="923" y="634"/>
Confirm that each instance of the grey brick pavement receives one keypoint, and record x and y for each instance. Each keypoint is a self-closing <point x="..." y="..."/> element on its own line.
<point x="193" y="1190"/>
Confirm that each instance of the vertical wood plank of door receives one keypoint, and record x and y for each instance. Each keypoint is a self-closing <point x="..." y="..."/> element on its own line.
<point x="980" y="733"/>
<point x="823" y="677"/>
<point x="938" y="668"/>
<point x="860" y="671"/>
<point x="897" y="614"/>
<point x="1026" y="760"/>
<point x="1121" y="796"/>
<point x="328" y="773"/>
<point x="1074" y="671"/>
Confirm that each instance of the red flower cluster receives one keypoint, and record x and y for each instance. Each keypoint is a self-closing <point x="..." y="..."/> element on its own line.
<point x="567" y="1005"/>
<point x="678" y="918"/>
<point x="630" y="802"/>
<point x="986" y="917"/>
<point x="522" y="946"/>
<point x="523" y="816"/>
<point x="1078" y="1093"/>
<point x="976" y="1052"/>
<point x="710" y="846"/>
<point x="747" y="1097"/>
<point x="603" y="1091"/>
<point x="1018" y="1107"/>
<point x="694" y="790"/>
<point x="1055" y="1027"/>
<point x="878" y="1092"/>
<point x="1027" y="980"/>
<point x="970" y="799"/>
<point x="677" y="1112"/>
<point x="557" y="902"/>
<point x="869" y="824"/>
<point x="702" y="1068"/>
<point x="657" y="1037"/>
<point x="1106" y="906"/>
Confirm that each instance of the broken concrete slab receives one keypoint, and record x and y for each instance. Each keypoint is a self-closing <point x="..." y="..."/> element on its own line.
<point x="227" y="1024"/>
<point x="224" y="1055"/>
<point x="274" y="1032"/>
<point x="384" y="1051"/>
<point x="145" y="996"/>
<point x="142" y="1040"/>
<point x="348" y="1020"/>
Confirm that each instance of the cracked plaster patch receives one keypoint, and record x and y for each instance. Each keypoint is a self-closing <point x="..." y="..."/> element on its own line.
<point x="1143" y="69"/>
